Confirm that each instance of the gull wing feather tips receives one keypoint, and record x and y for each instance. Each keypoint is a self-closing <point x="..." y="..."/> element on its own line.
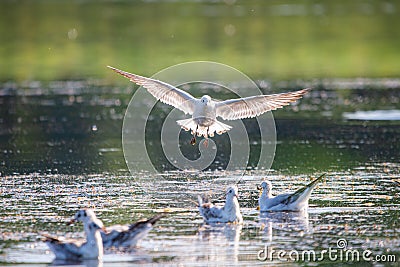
<point x="209" y="211"/>
<point x="162" y="91"/>
<point x="302" y="191"/>
<point x="249" y="107"/>
<point x="71" y="246"/>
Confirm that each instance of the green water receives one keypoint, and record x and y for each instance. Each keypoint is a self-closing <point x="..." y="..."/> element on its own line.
<point x="76" y="127"/>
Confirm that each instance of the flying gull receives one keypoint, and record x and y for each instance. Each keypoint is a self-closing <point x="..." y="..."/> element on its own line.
<point x="205" y="110"/>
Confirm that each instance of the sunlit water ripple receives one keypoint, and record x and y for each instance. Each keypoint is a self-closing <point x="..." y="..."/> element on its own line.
<point x="361" y="206"/>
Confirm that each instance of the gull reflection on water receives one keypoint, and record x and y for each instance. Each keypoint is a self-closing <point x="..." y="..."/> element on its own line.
<point x="292" y="222"/>
<point x="86" y="263"/>
<point x="222" y="241"/>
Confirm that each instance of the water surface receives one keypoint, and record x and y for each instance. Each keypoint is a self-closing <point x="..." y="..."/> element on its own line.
<point x="61" y="150"/>
<point x="361" y="206"/>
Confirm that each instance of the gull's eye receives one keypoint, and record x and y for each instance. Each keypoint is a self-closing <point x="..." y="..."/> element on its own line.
<point x="230" y="191"/>
<point x="79" y="215"/>
<point x="84" y="213"/>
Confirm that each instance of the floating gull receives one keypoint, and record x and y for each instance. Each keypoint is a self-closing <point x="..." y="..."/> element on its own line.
<point x="76" y="250"/>
<point x="124" y="236"/>
<point x="205" y="110"/>
<point x="297" y="201"/>
<point x="230" y="212"/>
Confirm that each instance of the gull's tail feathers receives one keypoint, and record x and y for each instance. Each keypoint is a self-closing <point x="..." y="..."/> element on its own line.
<point x="151" y="221"/>
<point x="204" y="206"/>
<point x="200" y="200"/>
<point x="188" y="124"/>
<point x="303" y="194"/>
<point x="203" y="201"/>
<point x="217" y="127"/>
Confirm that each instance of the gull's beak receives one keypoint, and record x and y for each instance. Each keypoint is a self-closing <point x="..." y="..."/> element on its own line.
<point x="104" y="230"/>
<point x="236" y="196"/>
<point x="260" y="190"/>
<point x="72" y="221"/>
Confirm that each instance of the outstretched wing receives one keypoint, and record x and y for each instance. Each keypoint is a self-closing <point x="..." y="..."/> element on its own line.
<point x="249" y="107"/>
<point x="162" y="91"/>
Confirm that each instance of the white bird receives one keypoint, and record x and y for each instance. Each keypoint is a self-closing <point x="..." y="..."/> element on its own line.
<point x="118" y="236"/>
<point x="77" y="250"/>
<point x="297" y="201"/>
<point x="230" y="212"/>
<point x="205" y="110"/>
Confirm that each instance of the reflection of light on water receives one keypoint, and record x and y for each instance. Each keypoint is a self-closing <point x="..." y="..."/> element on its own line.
<point x="38" y="253"/>
<point x="375" y="115"/>
<point x="295" y="222"/>
<point x="220" y="241"/>
<point x="353" y="206"/>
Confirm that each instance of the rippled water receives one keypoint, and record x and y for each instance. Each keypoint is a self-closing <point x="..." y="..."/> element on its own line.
<point x="361" y="206"/>
<point x="61" y="150"/>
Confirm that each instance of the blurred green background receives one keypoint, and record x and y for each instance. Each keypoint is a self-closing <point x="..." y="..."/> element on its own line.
<point x="70" y="39"/>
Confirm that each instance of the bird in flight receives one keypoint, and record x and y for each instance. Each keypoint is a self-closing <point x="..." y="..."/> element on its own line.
<point x="205" y="110"/>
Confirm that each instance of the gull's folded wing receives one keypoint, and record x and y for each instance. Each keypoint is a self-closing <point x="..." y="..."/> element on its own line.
<point x="60" y="246"/>
<point x="213" y="213"/>
<point x="304" y="191"/>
